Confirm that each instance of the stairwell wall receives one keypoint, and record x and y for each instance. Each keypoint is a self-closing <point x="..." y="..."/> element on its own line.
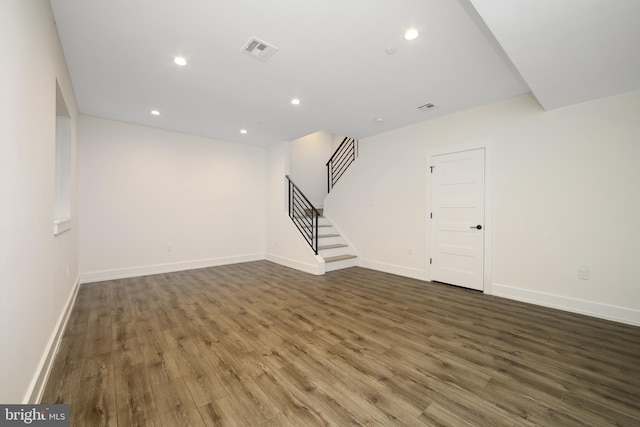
<point x="285" y="245"/>
<point x="564" y="197"/>
<point x="308" y="170"/>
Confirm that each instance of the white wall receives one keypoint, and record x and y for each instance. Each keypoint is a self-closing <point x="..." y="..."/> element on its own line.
<point x="309" y="156"/>
<point x="336" y="141"/>
<point x="565" y="194"/>
<point x="38" y="271"/>
<point x="154" y="201"/>
<point x="285" y="244"/>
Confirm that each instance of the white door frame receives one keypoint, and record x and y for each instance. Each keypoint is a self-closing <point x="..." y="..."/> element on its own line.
<point x="488" y="205"/>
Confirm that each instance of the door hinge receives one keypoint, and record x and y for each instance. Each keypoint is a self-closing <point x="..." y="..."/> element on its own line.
<point x="430" y="261"/>
<point x="431" y="215"/>
<point x="431" y="167"/>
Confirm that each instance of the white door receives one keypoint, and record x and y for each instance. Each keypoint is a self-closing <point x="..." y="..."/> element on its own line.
<point x="457" y="223"/>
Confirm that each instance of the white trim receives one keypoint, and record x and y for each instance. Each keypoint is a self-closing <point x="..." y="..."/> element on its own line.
<point x="39" y="381"/>
<point x="488" y="205"/>
<point x="399" y="270"/>
<point x="590" y="308"/>
<point x="317" y="269"/>
<point x="61" y="225"/>
<point x="124" y="273"/>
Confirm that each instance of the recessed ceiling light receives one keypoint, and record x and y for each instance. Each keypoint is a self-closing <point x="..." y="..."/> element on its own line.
<point x="154" y="112"/>
<point x="243" y="131"/>
<point x="379" y="120"/>
<point x="295" y="101"/>
<point x="411" y="34"/>
<point x="180" y="60"/>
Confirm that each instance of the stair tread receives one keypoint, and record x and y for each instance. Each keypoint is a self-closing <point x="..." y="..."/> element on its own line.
<point x="338" y="245"/>
<point x="328" y="235"/>
<point x="339" y="258"/>
<point x="305" y="216"/>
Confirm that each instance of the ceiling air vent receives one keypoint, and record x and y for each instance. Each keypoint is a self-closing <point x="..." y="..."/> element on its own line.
<point x="425" y="107"/>
<point x="259" y="49"/>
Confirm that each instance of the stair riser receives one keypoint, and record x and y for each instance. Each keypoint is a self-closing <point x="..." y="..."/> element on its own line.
<point x="323" y="221"/>
<point x="335" y="252"/>
<point x="322" y="241"/>
<point x="339" y="265"/>
<point x="325" y="230"/>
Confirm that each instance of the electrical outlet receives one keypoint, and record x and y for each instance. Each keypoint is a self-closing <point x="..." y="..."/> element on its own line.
<point x="583" y="272"/>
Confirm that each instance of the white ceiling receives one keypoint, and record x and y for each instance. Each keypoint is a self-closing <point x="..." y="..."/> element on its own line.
<point x="332" y="56"/>
<point x="569" y="51"/>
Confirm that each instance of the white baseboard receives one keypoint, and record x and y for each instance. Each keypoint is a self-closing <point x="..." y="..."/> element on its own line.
<point x="314" y="269"/>
<point x="125" y="273"/>
<point x="595" y="309"/>
<point x="39" y="381"/>
<point x="399" y="270"/>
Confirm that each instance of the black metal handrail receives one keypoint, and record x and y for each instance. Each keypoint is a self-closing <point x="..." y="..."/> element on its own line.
<point x="340" y="161"/>
<point x="304" y="215"/>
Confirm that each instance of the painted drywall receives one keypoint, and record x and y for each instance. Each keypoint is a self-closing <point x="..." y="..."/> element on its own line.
<point x="564" y="196"/>
<point x="153" y="200"/>
<point x="336" y="141"/>
<point x="308" y="170"/>
<point x="38" y="271"/>
<point x="285" y="245"/>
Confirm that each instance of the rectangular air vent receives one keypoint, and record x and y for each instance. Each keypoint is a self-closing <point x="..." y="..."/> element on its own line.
<point x="426" y="106"/>
<point x="259" y="49"/>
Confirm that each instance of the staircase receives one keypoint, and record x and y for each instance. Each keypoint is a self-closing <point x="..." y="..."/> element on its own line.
<point x="333" y="248"/>
<point x="319" y="233"/>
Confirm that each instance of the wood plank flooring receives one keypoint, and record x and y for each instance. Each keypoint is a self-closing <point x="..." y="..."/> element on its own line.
<point x="258" y="344"/>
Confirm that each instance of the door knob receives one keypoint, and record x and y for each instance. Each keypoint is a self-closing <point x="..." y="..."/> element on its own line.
<point x="479" y="227"/>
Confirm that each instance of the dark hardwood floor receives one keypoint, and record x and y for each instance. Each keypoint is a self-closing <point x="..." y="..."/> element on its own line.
<point x="258" y="344"/>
